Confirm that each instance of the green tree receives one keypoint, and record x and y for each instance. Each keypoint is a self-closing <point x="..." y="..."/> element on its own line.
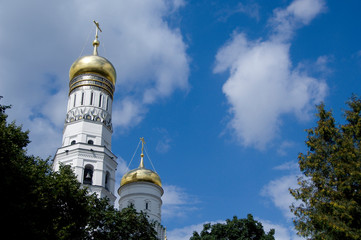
<point x="330" y="190"/>
<point x="235" y="229"/>
<point x="109" y="223"/>
<point x="38" y="203"/>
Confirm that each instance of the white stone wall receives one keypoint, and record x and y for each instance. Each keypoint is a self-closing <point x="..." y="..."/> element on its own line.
<point x="139" y="194"/>
<point x="83" y="131"/>
<point x="100" y="158"/>
<point x="146" y="197"/>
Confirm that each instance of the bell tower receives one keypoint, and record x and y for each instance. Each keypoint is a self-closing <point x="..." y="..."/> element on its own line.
<point x="86" y="142"/>
<point x="142" y="188"/>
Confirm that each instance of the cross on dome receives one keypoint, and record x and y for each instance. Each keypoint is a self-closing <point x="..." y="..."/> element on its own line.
<point x="96" y="42"/>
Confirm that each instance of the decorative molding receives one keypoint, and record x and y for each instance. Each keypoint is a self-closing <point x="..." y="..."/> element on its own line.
<point x="91" y="114"/>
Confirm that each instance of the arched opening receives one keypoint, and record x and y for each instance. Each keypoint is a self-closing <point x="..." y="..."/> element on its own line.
<point x="107" y="178"/>
<point x="73" y="142"/>
<point x="88" y="174"/>
<point x="90" y="142"/>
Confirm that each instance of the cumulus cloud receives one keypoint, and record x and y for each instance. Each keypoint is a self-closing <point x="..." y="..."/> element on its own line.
<point x="297" y="14"/>
<point x="263" y="82"/>
<point x="281" y="232"/>
<point x="278" y="192"/>
<point x="44" y="39"/>
<point x="177" y="202"/>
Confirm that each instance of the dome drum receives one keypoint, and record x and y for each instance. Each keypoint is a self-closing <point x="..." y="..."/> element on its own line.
<point x="93" y="81"/>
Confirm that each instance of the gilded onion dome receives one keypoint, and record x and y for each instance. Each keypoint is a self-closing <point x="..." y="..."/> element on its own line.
<point x="93" y="64"/>
<point x="141" y="174"/>
<point x="93" y="70"/>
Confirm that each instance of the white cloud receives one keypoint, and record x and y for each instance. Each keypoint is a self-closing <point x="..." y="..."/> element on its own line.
<point x="251" y="9"/>
<point x="127" y="112"/>
<point x="282" y="149"/>
<point x="263" y="85"/>
<point x="44" y="38"/>
<point x="164" y="143"/>
<point x="298" y="13"/>
<point x="281" y="232"/>
<point x="278" y="191"/>
<point x="291" y="165"/>
<point x="177" y="202"/>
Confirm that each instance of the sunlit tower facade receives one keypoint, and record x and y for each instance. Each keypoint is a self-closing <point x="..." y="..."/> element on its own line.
<point x="86" y="142"/>
<point x="142" y="189"/>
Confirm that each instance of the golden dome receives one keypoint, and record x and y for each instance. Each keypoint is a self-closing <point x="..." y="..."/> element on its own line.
<point x="141" y="175"/>
<point x="93" y="64"/>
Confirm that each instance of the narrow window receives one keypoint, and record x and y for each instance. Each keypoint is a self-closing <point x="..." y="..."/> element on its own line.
<point x="147" y="205"/>
<point x="74" y="100"/>
<point x="107" y="104"/>
<point x="91" y="98"/>
<point x="107" y="176"/>
<point x="82" y="98"/>
<point x="100" y="100"/>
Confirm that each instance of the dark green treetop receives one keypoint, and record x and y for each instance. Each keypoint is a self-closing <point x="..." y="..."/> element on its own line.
<point x="38" y="203"/>
<point x="235" y="229"/>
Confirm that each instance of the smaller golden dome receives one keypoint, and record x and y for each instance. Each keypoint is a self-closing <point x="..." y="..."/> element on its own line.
<point x="93" y="64"/>
<point x="141" y="175"/>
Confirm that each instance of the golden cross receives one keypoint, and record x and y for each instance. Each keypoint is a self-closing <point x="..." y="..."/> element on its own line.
<point x="143" y="142"/>
<point x="97" y="25"/>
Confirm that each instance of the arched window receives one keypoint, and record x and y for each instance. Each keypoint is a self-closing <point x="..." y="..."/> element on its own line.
<point x="73" y="142"/>
<point x="88" y="174"/>
<point x="90" y="142"/>
<point x="107" y="178"/>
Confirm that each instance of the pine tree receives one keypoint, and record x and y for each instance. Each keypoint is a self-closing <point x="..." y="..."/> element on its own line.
<point x="330" y="190"/>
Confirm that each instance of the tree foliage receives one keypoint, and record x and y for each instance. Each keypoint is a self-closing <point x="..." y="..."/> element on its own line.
<point x="330" y="190"/>
<point x="235" y="229"/>
<point x="38" y="203"/>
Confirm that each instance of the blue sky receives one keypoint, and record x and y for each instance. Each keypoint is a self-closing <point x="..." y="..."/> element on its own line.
<point x="220" y="90"/>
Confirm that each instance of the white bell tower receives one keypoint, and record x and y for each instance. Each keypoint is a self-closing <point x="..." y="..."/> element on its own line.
<point x="86" y="144"/>
<point x="142" y="188"/>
